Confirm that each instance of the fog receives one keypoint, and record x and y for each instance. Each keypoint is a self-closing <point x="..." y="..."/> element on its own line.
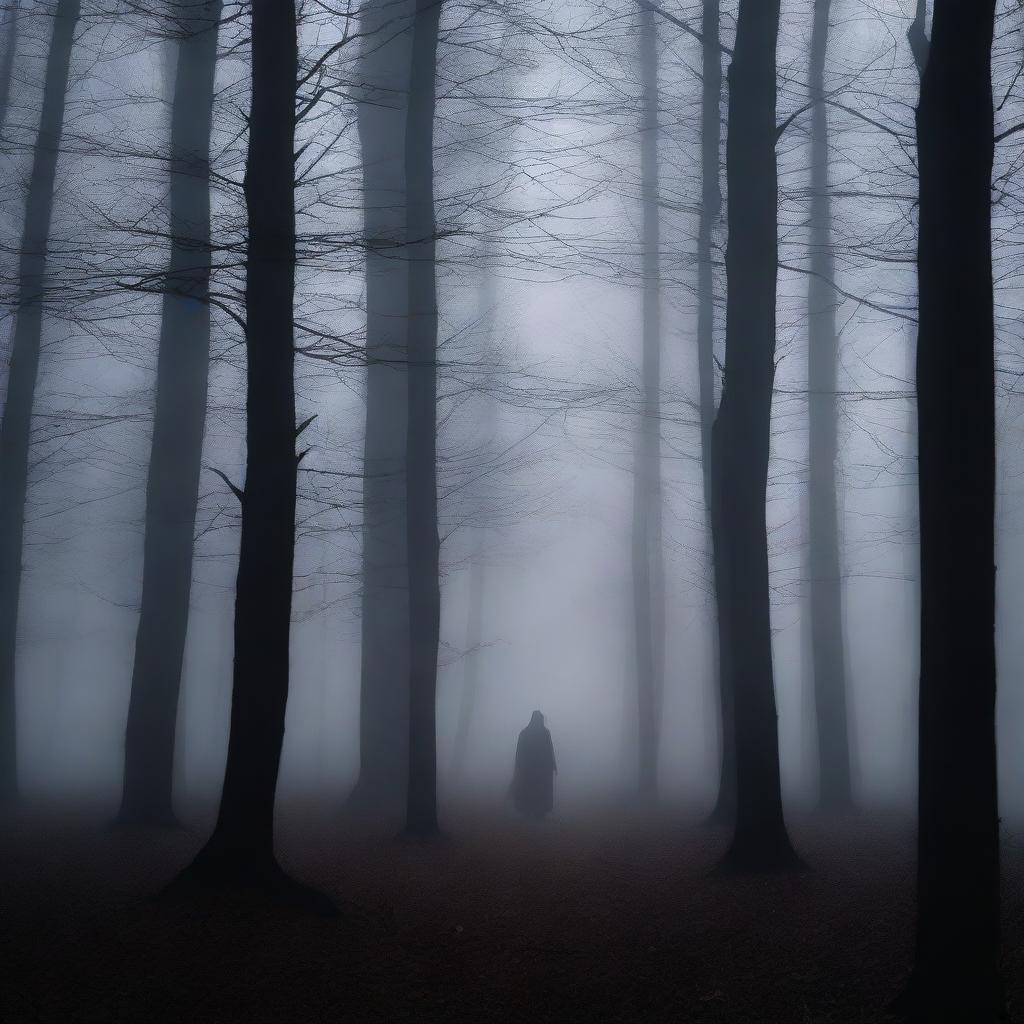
<point x="550" y="327"/>
<point x="557" y="614"/>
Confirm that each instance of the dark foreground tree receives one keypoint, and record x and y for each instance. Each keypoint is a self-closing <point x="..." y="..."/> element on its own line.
<point x="179" y="421"/>
<point x="16" y="427"/>
<point x="741" y="439"/>
<point x="383" y="693"/>
<point x="241" y="849"/>
<point x="956" y="974"/>
<point x="421" y="438"/>
<point x="825" y="607"/>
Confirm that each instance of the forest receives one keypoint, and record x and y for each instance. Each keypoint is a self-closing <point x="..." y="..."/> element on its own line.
<point x="512" y="511"/>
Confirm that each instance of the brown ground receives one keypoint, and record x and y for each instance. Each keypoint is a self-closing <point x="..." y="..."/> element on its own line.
<point x="593" y="918"/>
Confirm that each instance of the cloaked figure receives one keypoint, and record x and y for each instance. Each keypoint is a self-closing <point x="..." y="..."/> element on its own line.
<point x="533" y="785"/>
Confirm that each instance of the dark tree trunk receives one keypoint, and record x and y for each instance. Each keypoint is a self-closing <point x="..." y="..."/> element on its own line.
<point x="828" y="659"/>
<point x="241" y="849"/>
<point x="178" y="426"/>
<point x="742" y="438"/>
<point x="956" y="975"/>
<point x="16" y="427"/>
<point x="421" y="438"/>
<point x="710" y="211"/>
<point x="648" y="558"/>
<point x="7" y="61"/>
<point x="384" y="693"/>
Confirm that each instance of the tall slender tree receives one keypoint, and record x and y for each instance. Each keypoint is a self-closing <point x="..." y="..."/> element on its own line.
<point x="10" y="49"/>
<point x="179" y="421"/>
<point x="241" y="849"/>
<point x="956" y="958"/>
<point x="421" y="437"/>
<point x="16" y="426"/>
<point x="825" y="607"/>
<point x="742" y="436"/>
<point x="382" y="99"/>
<point x="710" y="212"/>
<point x="647" y="551"/>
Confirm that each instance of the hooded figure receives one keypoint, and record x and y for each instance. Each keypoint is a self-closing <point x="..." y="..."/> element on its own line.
<point x="533" y="782"/>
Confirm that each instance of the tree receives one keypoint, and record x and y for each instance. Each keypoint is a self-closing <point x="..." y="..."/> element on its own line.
<point x="825" y="607"/>
<point x="647" y="552"/>
<point x="16" y="426"/>
<point x="241" y="849"/>
<point x="382" y="100"/>
<point x="421" y="437"/>
<point x="956" y="973"/>
<point x="179" y="423"/>
<point x="7" y="61"/>
<point x="710" y="211"/>
<point x="742" y="435"/>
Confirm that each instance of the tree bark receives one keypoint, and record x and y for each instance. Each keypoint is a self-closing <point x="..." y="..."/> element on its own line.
<point x="648" y="557"/>
<point x="16" y="426"/>
<point x="742" y="434"/>
<point x="384" y="696"/>
<point x="421" y="437"/>
<point x="179" y="423"/>
<point x="956" y="973"/>
<point x="241" y="849"/>
<point x="828" y="657"/>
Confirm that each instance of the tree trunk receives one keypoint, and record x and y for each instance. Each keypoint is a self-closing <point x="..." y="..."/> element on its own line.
<point x="241" y="849"/>
<point x="16" y="427"/>
<point x="384" y="695"/>
<point x="742" y="438"/>
<point x="421" y="437"/>
<point x="956" y="974"/>
<point x="648" y="557"/>
<point x="7" y="61"/>
<point x="710" y="210"/>
<point x="828" y="658"/>
<point x="179" y="423"/>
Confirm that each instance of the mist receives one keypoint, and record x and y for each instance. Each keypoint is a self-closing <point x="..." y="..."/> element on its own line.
<point x="377" y="376"/>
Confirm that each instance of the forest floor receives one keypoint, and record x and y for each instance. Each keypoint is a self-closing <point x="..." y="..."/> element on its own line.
<point x="592" y="917"/>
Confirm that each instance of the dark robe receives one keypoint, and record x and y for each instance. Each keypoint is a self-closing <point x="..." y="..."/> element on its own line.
<point x="533" y="783"/>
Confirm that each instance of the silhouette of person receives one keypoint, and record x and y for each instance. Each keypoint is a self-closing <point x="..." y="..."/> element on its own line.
<point x="533" y="784"/>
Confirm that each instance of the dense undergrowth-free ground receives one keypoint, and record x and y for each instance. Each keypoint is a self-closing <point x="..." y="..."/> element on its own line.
<point x="586" y="917"/>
